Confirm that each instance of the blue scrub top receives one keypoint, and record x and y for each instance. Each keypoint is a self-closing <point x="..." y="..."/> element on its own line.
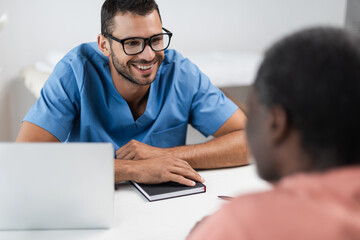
<point x="79" y="102"/>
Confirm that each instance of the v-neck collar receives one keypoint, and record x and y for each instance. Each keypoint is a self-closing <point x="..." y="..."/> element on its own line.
<point x="150" y="112"/>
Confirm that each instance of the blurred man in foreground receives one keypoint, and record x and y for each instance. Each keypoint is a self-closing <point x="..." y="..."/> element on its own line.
<point x="303" y="129"/>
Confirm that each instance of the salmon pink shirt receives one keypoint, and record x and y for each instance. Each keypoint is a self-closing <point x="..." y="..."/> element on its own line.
<point x="302" y="207"/>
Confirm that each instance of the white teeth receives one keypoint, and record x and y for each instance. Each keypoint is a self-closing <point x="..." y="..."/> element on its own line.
<point x="144" y="67"/>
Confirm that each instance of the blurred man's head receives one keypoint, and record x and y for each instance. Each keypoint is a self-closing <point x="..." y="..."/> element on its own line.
<point x="304" y="110"/>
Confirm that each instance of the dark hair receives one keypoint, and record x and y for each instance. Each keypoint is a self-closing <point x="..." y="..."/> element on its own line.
<point x="315" y="76"/>
<point x="111" y="7"/>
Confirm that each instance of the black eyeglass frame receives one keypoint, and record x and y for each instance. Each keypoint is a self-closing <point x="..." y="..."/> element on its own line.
<point x="146" y="41"/>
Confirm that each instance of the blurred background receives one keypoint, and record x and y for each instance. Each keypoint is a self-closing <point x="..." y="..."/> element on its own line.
<point x="225" y="38"/>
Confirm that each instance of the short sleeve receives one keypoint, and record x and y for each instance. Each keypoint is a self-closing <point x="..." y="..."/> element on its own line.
<point x="58" y="104"/>
<point x="210" y="107"/>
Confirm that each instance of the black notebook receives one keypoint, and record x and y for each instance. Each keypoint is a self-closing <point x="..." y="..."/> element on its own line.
<point x="166" y="190"/>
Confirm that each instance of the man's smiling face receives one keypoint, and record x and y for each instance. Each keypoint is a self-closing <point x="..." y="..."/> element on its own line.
<point x="139" y="69"/>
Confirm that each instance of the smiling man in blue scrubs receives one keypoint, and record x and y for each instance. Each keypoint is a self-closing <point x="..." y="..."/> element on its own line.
<point x="130" y="90"/>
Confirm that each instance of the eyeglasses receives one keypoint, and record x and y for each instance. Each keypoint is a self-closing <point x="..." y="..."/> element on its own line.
<point x="135" y="45"/>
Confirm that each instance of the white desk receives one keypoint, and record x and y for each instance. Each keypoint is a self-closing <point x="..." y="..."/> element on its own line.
<point x="136" y="218"/>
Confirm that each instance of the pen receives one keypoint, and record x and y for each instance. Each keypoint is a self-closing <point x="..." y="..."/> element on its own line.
<point x="225" y="197"/>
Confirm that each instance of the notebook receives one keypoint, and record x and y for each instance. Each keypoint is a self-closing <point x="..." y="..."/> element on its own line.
<point x="154" y="192"/>
<point x="56" y="185"/>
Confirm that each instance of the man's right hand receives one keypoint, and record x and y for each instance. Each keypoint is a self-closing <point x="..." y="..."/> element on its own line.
<point x="156" y="170"/>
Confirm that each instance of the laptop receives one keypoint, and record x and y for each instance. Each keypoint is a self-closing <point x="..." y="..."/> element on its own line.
<point x="56" y="186"/>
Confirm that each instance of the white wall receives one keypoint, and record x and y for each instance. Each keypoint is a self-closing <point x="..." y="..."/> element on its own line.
<point x="243" y="25"/>
<point x="37" y="27"/>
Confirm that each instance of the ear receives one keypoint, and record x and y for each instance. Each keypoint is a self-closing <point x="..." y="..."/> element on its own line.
<point x="104" y="45"/>
<point x="279" y="125"/>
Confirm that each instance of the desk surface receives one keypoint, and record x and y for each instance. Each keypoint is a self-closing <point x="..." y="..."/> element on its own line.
<point x="136" y="218"/>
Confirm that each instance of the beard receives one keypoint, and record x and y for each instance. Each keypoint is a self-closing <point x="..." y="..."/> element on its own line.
<point x="126" y="71"/>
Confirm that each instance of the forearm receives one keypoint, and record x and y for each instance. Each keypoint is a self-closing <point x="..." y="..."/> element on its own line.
<point x="123" y="170"/>
<point x="225" y="151"/>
